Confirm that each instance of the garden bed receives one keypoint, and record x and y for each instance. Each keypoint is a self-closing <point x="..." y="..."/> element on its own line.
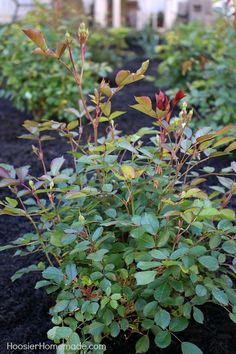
<point x="24" y="310"/>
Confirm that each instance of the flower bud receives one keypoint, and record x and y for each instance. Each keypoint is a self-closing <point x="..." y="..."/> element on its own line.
<point x="81" y="219"/>
<point x="162" y="102"/>
<point x="31" y="184"/>
<point x="51" y="185"/>
<point x="83" y="34"/>
<point x="68" y="38"/>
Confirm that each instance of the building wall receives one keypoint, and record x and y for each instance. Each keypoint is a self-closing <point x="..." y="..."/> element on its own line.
<point x="11" y="10"/>
<point x="148" y="11"/>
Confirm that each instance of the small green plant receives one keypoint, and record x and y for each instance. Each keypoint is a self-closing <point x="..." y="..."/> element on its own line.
<point x="147" y="39"/>
<point x="132" y="240"/>
<point x="109" y="45"/>
<point x="202" y="61"/>
<point x="43" y="89"/>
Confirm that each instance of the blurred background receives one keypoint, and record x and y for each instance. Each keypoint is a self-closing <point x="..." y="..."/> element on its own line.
<point x="191" y="44"/>
<point x="115" y="13"/>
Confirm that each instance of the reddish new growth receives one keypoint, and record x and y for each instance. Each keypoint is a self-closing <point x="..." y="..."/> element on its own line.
<point x="166" y="106"/>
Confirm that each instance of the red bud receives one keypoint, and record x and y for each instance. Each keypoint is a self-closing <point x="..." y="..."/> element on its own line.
<point x="178" y="97"/>
<point x="162" y="101"/>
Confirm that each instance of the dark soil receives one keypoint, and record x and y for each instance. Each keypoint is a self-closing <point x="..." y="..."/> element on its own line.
<point x="24" y="316"/>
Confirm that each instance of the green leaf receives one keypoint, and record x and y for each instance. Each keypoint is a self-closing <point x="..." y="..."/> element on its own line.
<point x="148" y="265"/>
<point x="97" y="233"/>
<point x="158" y="254"/>
<point x="72" y="125"/>
<point x="150" y="308"/>
<point x="231" y="147"/>
<point x="127" y="146"/>
<point x="41" y="284"/>
<point x="20" y="272"/>
<point x="116" y="114"/>
<point x="150" y="223"/>
<point x="190" y="348"/>
<point x="116" y="296"/>
<point x="85" y="192"/>
<point x="215" y="241"/>
<point x="220" y="296"/>
<point x="74" y="340"/>
<point x="147" y="323"/>
<point x="121" y="76"/>
<point x="145" y="241"/>
<point x="114" y="304"/>
<point x="179" y="253"/>
<point x="97" y="256"/>
<point x="124" y="325"/>
<point x="144" y="105"/>
<point x="107" y="187"/>
<point x="12" y="202"/>
<point x="80" y="247"/>
<point x="54" y="274"/>
<point x="163" y="238"/>
<point x="163" y="339"/>
<point x="162" y="318"/>
<point x="6" y="247"/>
<point x="106" y="108"/>
<point x="162" y="292"/>
<point x="209" y="262"/>
<point x="114" y="329"/>
<point x="228" y="214"/>
<point x="224" y="140"/>
<point x="208" y="213"/>
<point x="93" y="308"/>
<point x="144" y="278"/>
<point x="56" y="237"/>
<point x="201" y="290"/>
<point x="137" y="232"/>
<point x="61" y="306"/>
<point x="57" y="333"/>
<point x="56" y="165"/>
<point x="233" y="317"/>
<point x="96" y="328"/>
<point x="142" y="345"/>
<point x="178" y="324"/>
<point x="111" y="213"/>
<point x="71" y="273"/>
<point x="198" y="315"/>
<point x="229" y="246"/>
<point x="197" y="251"/>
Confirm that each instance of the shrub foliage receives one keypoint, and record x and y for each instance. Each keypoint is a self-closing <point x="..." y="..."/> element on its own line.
<point x="132" y="240"/>
<point x="202" y="61"/>
<point x="50" y="90"/>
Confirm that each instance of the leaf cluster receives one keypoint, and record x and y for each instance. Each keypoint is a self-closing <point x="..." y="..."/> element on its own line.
<point x="202" y="61"/>
<point x="38" y="86"/>
<point x="133" y="241"/>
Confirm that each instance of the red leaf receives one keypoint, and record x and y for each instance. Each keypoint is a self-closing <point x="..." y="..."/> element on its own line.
<point x="178" y="97"/>
<point x="22" y="173"/>
<point x="4" y="173"/>
<point x="162" y="102"/>
<point x="37" y="37"/>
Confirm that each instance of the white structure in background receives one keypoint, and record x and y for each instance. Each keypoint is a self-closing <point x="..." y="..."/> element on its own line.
<point x="11" y="10"/>
<point x="115" y="13"/>
<point x="101" y="12"/>
<point x="148" y="11"/>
